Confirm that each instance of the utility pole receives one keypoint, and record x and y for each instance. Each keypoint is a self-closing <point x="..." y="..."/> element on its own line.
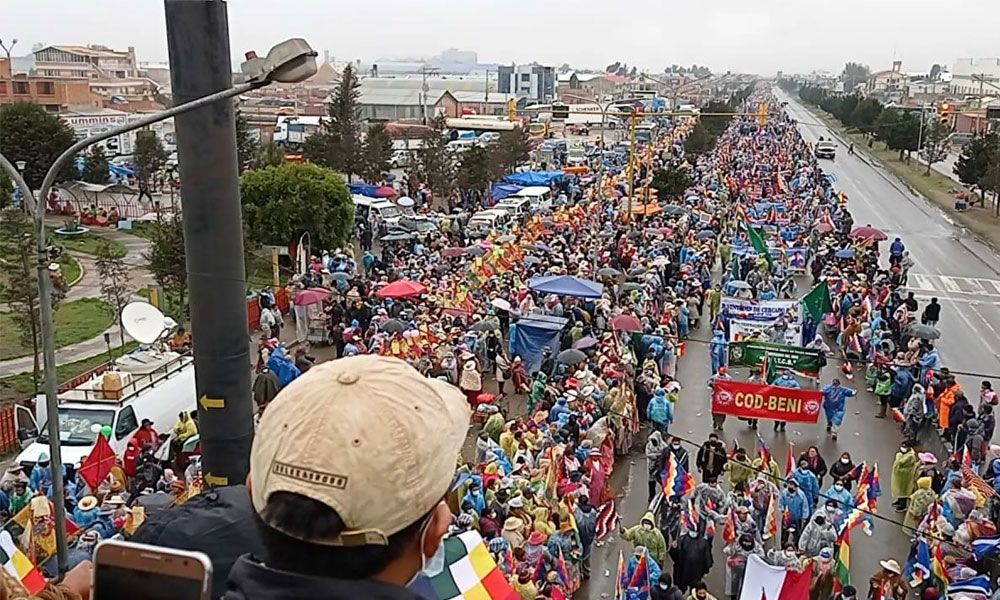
<point x="200" y="64"/>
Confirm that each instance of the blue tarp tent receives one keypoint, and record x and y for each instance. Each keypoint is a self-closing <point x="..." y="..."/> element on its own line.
<point x="530" y="334"/>
<point x="567" y="285"/>
<point x="534" y="177"/>
<point x="499" y="191"/>
<point x="363" y="189"/>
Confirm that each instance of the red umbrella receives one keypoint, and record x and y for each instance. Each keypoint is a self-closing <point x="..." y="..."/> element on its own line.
<point x="626" y="323"/>
<point x="450" y="252"/>
<point x="311" y="296"/>
<point x="385" y="192"/>
<point x="868" y="233"/>
<point x="823" y="227"/>
<point x="402" y="288"/>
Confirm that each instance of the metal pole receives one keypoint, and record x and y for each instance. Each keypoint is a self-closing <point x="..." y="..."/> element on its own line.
<point x="920" y="133"/>
<point x="200" y="64"/>
<point x="49" y="358"/>
<point x="45" y="285"/>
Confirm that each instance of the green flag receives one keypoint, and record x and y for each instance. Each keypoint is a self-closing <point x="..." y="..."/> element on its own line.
<point x="735" y="274"/>
<point x="770" y="368"/>
<point x="758" y="243"/>
<point x="817" y="302"/>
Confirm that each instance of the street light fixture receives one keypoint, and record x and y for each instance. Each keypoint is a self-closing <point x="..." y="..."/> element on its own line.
<point x="290" y="61"/>
<point x="21" y="165"/>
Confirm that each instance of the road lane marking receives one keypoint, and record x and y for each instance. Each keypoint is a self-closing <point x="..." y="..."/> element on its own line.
<point x="949" y="284"/>
<point x="923" y="282"/>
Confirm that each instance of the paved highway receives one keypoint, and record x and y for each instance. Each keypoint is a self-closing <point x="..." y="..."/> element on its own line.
<point x="951" y="264"/>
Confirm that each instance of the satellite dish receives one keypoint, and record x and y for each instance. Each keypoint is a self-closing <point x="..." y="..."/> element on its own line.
<point x="405" y="201"/>
<point x="143" y="321"/>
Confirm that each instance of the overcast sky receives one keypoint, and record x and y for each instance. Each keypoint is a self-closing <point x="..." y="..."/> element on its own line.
<point x="761" y="36"/>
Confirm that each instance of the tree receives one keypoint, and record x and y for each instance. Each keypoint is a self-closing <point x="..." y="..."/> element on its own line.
<point x="149" y="154"/>
<point x="886" y="124"/>
<point x="344" y="125"/>
<point x="376" y="156"/>
<point x="478" y="169"/>
<point x="905" y="136"/>
<point x="246" y="146"/>
<point x="166" y="258"/>
<point x="670" y="182"/>
<point x="95" y="165"/>
<point x="865" y="114"/>
<point x="114" y="276"/>
<point x="436" y="163"/>
<point x="699" y="140"/>
<point x="19" y="280"/>
<point x="935" y="143"/>
<point x="991" y="181"/>
<point x="269" y="155"/>
<point x="6" y="190"/>
<point x="513" y="148"/>
<point x="279" y="203"/>
<point x="29" y="133"/>
<point x="321" y="149"/>
<point x="976" y="158"/>
<point x="853" y="75"/>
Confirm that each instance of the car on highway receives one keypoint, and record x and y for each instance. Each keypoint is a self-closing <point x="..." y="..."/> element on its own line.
<point x="826" y="149"/>
<point x="401" y="158"/>
<point x="488" y="137"/>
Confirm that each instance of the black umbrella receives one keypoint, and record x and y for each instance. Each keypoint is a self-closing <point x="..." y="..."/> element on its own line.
<point x="631" y="285"/>
<point x="637" y="271"/>
<point x="705" y="234"/>
<point x="532" y="260"/>
<point x="571" y="356"/>
<point x="673" y="209"/>
<point x="924" y="332"/>
<point x="609" y="272"/>
<point x="486" y="325"/>
<point x="394" y="326"/>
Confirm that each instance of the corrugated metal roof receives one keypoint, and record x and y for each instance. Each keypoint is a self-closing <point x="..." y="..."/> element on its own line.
<point x="397" y="97"/>
<point x="481" y="97"/>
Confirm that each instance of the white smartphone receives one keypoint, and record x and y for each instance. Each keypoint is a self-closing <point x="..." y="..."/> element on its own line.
<point x="127" y="570"/>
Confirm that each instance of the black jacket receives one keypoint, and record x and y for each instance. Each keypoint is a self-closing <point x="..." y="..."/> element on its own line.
<point x="251" y="580"/>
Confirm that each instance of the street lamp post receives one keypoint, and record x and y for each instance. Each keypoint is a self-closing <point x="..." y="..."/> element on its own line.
<point x="263" y="74"/>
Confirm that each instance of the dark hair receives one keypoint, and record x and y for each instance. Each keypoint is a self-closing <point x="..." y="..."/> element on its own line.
<point x="304" y="517"/>
<point x="700" y="586"/>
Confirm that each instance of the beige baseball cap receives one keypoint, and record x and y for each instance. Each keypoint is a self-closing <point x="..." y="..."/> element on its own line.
<point x="369" y="437"/>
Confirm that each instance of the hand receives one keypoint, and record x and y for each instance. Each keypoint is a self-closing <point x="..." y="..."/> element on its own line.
<point x="621" y="530"/>
<point x="79" y="579"/>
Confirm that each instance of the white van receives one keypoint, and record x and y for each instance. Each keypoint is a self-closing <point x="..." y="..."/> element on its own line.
<point x="365" y="206"/>
<point x="486" y="220"/>
<point x="518" y="207"/>
<point x="539" y="195"/>
<point x="155" y="385"/>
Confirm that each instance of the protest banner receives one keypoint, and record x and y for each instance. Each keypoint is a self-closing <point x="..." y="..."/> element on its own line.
<point x="801" y="360"/>
<point x="761" y="401"/>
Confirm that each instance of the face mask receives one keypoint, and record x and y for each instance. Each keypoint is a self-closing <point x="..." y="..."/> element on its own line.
<point x="701" y="596"/>
<point x="845" y="460"/>
<point x="663" y="586"/>
<point x="902" y="449"/>
<point x="647" y="526"/>
<point x="676" y="445"/>
<point x="432" y="566"/>
<point x="838" y="486"/>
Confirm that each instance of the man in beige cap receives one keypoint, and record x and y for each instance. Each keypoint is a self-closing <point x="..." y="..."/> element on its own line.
<point x="348" y="474"/>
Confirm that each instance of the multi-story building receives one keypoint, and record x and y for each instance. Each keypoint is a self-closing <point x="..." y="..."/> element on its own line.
<point x="55" y="94"/>
<point x="889" y="86"/>
<point x="92" y="62"/>
<point x="975" y="77"/>
<point x="536" y="83"/>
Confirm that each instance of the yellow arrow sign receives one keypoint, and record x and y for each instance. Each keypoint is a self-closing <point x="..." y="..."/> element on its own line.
<point x="216" y="480"/>
<point x="207" y="402"/>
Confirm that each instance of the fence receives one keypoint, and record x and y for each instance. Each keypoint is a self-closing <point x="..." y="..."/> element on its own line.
<point x="253" y="307"/>
<point x="8" y="429"/>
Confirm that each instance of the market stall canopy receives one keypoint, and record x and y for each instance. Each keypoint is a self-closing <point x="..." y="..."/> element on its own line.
<point x="499" y="191"/>
<point x="567" y="285"/>
<point x="363" y="189"/>
<point x="529" y="178"/>
<point x="531" y="334"/>
<point x="402" y="288"/>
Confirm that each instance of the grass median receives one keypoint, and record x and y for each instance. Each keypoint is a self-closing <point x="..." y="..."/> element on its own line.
<point x="75" y="322"/>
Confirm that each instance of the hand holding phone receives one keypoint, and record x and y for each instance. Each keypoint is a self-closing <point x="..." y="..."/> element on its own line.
<point x="128" y="570"/>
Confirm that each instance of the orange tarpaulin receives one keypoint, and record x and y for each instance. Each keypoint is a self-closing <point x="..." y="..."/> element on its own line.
<point x="578" y="170"/>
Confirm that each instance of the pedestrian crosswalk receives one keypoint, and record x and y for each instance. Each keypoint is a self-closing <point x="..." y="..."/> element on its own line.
<point x="958" y="288"/>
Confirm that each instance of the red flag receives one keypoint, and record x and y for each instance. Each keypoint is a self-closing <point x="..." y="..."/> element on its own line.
<point x="97" y="465"/>
<point x="790" y="460"/>
<point x="729" y="529"/>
